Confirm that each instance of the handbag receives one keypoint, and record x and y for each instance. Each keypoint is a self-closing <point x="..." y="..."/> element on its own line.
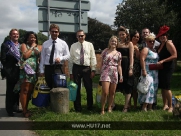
<point x="155" y="66"/>
<point x="59" y="79"/>
<point x="144" y="84"/>
<point x="72" y="90"/>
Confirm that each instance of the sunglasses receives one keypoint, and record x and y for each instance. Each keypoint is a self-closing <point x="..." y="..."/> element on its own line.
<point x="54" y="31"/>
<point x="80" y="36"/>
<point x="136" y="37"/>
<point x="151" y="41"/>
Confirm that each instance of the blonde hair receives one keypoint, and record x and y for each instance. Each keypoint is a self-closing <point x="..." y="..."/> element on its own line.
<point x="112" y="37"/>
<point x="151" y="36"/>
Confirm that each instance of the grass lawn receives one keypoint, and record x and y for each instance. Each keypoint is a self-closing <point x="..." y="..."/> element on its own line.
<point x="42" y="114"/>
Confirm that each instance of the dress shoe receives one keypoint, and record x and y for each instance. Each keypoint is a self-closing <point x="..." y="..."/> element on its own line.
<point x="11" y="114"/>
<point x="90" y="108"/>
<point x="78" y="109"/>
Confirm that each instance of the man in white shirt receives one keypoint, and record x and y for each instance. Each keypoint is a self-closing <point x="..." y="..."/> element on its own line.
<point x="145" y="32"/>
<point x="82" y="64"/>
<point x="54" y="52"/>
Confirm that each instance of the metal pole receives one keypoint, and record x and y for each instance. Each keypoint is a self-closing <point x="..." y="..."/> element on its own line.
<point x="48" y="9"/>
<point x="79" y="14"/>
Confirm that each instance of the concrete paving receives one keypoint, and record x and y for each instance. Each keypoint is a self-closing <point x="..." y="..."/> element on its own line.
<point x="4" y="118"/>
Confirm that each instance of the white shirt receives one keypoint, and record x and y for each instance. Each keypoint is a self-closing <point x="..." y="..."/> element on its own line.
<point x="89" y="55"/>
<point x="61" y="52"/>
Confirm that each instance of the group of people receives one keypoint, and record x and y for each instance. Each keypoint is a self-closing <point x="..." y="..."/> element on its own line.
<point x="134" y="55"/>
<point x="122" y="63"/>
<point x="23" y="63"/>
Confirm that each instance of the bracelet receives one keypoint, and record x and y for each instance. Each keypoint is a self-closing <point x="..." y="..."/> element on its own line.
<point x="130" y="67"/>
<point x="143" y="69"/>
<point x="32" y="48"/>
<point x="121" y="77"/>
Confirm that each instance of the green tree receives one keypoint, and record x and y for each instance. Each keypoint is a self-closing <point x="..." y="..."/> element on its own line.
<point x="98" y="33"/>
<point x="174" y="6"/>
<point x="142" y="13"/>
<point x="41" y="38"/>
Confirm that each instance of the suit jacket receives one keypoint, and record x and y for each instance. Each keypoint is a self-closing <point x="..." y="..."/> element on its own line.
<point x="10" y="67"/>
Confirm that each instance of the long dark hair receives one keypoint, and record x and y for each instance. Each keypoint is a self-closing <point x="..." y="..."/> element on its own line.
<point x="27" y="36"/>
<point x="132" y="34"/>
<point x="121" y="28"/>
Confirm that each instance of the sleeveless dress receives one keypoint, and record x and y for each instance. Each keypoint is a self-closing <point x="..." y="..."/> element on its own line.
<point x="32" y="61"/>
<point x="125" y="87"/>
<point x="165" y="74"/>
<point x="151" y="96"/>
<point x="109" y="70"/>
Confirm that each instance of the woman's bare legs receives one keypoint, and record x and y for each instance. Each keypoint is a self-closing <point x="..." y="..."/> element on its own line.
<point x="25" y="94"/>
<point x="112" y="89"/>
<point x="165" y="102"/>
<point x="127" y="100"/>
<point x="105" y="91"/>
<point x="144" y="107"/>
<point x="169" y="99"/>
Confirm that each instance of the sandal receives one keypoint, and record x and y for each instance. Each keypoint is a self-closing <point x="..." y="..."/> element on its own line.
<point x="109" y="110"/>
<point x="125" y="109"/>
<point x="27" y="114"/>
<point x="165" y="107"/>
<point x="144" y="110"/>
<point x="102" y="112"/>
<point x="170" y="109"/>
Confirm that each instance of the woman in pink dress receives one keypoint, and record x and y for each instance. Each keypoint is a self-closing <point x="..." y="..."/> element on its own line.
<point x="110" y="66"/>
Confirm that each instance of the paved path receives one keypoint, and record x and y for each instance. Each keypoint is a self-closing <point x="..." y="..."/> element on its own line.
<point x="4" y="117"/>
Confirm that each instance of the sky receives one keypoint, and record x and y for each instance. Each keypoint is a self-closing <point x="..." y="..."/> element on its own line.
<point x="23" y="14"/>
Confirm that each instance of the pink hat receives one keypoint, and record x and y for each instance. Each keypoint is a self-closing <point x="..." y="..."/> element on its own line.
<point x="162" y="30"/>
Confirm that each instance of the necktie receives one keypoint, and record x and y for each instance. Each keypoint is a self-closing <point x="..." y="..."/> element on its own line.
<point x="81" y="55"/>
<point x="52" y="53"/>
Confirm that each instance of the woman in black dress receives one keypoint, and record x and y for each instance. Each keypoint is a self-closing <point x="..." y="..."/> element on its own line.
<point x="167" y="53"/>
<point x="127" y="50"/>
<point x="135" y="38"/>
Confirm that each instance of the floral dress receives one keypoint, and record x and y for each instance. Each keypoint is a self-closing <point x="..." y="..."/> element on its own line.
<point x="109" y="71"/>
<point x="151" y="96"/>
<point x="32" y="61"/>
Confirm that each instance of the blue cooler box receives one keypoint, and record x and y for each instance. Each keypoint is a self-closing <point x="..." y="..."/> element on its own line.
<point x="41" y="98"/>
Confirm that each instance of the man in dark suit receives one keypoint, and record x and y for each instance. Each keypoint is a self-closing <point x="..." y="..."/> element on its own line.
<point x="11" y="69"/>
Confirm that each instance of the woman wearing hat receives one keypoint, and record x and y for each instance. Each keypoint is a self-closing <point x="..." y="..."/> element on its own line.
<point x="167" y="53"/>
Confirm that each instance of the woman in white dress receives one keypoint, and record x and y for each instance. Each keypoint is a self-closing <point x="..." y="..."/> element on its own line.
<point x="148" y="56"/>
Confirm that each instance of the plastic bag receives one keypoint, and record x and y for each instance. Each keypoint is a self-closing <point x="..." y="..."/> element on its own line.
<point x="72" y="90"/>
